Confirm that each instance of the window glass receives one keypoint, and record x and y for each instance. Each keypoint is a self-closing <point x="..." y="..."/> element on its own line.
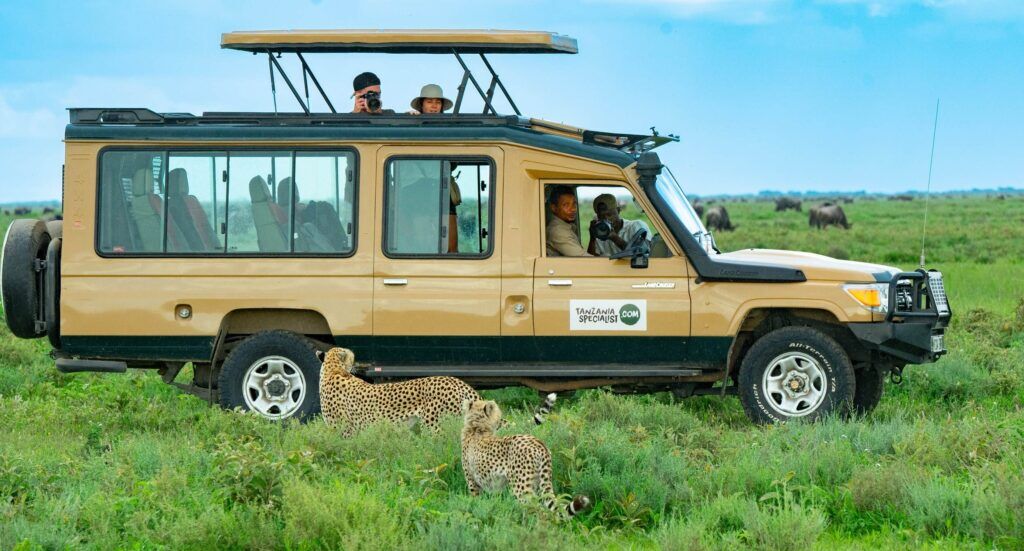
<point x="438" y="207"/>
<point x="131" y="209"/>
<point x="255" y="221"/>
<point x="226" y="202"/>
<point x="324" y="193"/>
<point x="196" y="195"/>
<point x="612" y="207"/>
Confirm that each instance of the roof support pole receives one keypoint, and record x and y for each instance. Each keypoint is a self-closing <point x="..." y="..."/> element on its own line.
<point x="475" y="83"/>
<point x="462" y="90"/>
<point x="499" y="83"/>
<point x="287" y="81"/>
<point x="273" y="87"/>
<point x="305" y="68"/>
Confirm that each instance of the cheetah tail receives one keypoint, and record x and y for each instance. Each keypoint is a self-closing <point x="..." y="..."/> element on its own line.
<point x="545" y="408"/>
<point x="579" y="504"/>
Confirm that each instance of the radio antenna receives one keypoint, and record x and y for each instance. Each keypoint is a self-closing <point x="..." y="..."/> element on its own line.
<point x="928" y="192"/>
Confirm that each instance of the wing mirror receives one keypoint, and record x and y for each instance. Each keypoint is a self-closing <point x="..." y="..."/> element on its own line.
<point x="637" y="250"/>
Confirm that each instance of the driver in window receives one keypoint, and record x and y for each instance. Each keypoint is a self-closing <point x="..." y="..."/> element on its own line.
<point x="622" y="231"/>
<point x="561" y="231"/>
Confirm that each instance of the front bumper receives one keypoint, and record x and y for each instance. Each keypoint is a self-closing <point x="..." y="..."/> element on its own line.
<point x="915" y="325"/>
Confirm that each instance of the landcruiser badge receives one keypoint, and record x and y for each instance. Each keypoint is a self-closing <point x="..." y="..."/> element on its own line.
<point x="608" y="315"/>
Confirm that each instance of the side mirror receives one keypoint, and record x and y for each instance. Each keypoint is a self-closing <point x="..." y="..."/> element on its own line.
<point x="637" y="250"/>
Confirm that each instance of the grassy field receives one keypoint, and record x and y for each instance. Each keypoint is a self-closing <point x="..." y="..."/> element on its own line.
<point x="93" y="461"/>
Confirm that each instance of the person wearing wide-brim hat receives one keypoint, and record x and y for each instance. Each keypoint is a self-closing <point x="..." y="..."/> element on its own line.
<point x="431" y="100"/>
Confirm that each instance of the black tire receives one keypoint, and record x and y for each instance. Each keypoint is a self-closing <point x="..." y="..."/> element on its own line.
<point x="824" y="379"/>
<point x="51" y="299"/>
<point x="870" y="382"/>
<point x="25" y="242"/>
<point x="55" y="228"/>
<point x="299" y="354"/>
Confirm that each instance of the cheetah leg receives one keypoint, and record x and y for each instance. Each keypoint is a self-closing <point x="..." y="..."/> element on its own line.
<point x="474" y="488"/>
<point x="523" y="485"/>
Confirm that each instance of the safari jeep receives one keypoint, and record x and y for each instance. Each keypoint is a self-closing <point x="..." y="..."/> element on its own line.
<point x="241" y="243"/>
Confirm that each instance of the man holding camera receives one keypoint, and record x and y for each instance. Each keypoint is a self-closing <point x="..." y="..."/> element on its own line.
<point x="366" y="91"/>
<point x="619" y="231"/>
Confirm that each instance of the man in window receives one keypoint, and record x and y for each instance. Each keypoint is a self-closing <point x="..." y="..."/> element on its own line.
<point x="607" y="208"/>
<point x="561" y="233"/>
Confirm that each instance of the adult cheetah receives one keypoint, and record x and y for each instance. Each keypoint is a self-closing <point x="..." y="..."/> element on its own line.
<point x="356" y="403"/>
<point x="492" y="462"/>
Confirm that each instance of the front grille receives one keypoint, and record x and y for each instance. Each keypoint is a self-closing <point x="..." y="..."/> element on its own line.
<point x="938" y="292"/>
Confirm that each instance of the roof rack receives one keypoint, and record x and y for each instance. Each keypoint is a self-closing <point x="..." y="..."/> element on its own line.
<point x="456" y="42"/>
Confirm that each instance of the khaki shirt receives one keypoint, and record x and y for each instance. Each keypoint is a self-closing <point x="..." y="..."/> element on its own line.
<point x="562" y="239"/>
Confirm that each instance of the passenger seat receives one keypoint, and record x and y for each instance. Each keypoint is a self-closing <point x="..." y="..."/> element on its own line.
<point x="271" y="221"/>
<point x="189" y="214"/>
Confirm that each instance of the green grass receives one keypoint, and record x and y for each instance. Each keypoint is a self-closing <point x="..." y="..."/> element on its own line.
<point x="125" y="461"/>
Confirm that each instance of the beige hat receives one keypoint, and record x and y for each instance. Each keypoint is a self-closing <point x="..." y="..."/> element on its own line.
<point x="431" y="91"/>
<point x="606" y="199"/>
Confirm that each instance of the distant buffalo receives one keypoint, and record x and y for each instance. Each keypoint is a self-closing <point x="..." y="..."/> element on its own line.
<point x="718" y="219"/>
<point x="48" y="210"/>
<point x="786" y="203"/>
<point x="698" y="207"/>
<point x="19" y="211"/>
<point x="828" y="214"/>
<point x="901" y="197"/>
<point x="7" y="212"/>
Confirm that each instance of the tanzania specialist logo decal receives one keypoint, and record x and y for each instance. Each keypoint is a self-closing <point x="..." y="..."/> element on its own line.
<point x="607" y="315"/>
<point x="629" y="314"/>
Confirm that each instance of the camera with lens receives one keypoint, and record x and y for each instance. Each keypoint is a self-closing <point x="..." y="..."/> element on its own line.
<point x="372" y="100"/>
<point x="602" y="230"/>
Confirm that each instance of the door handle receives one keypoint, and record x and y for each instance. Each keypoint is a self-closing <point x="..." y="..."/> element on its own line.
<point x="560" y="282"/>
<point x="396" y="281"/>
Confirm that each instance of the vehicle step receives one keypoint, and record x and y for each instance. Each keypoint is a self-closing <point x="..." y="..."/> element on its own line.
<point x="69" y="365"/>
<point x="528" y="370"/>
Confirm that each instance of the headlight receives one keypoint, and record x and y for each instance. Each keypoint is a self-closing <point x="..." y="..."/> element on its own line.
<point x="873" y="296"/>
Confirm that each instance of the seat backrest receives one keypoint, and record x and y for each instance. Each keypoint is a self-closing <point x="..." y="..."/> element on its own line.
<point x="177" y="191"/>
<point x="186" y="211"/>
<point x="147" y="213"/>
<point x="268" y="217"/>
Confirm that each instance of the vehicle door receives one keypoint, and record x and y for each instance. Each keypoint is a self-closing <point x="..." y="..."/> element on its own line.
<point x="591" y="309"/>
<point x="437" y="269"/>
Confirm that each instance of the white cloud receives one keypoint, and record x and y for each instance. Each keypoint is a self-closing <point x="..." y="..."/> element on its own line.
<point x="26" y="123"/>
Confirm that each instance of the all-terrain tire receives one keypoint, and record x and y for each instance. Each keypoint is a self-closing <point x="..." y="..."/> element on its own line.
<point x="799" y="359"/>
<point x="55" y="228"/>
<point x="275" y="374"/>
<point x="26" y="241"/>
<point x="870" y="382"/>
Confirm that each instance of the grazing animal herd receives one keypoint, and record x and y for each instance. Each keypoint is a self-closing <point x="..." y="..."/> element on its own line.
<point x="829" y="213"/>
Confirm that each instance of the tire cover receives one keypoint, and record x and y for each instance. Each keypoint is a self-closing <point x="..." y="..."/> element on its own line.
<point x="51" y="308"/>
<point x="55" y="228"/>
<point x="26" y="241"/>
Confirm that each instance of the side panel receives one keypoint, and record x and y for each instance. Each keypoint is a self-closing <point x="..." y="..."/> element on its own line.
<point x="126" y="307"/>
<point x="422" y="306"/>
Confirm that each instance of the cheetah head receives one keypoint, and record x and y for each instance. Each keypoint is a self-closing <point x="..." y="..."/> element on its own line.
<point x="338" y="357"/>
<point x="482" y="415"/>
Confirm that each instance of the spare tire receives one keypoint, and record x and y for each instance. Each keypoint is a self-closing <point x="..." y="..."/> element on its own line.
<point x="26" y="241"/>
<point x="55" y="228"/>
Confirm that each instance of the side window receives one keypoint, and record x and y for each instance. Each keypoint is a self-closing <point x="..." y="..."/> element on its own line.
<point x="595" y="220"/>
<point x="226" y="202"/>
<point x="131" y="210"/>
<point x="196" y="192"/>
<point x="256" y="223"/>
<point x="438" y="207"/>
<point x="323" y="198"/>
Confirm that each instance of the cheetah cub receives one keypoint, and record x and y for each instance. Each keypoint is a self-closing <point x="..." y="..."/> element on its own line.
<point x="492" y="462"/>
<point x="357" y="403"/>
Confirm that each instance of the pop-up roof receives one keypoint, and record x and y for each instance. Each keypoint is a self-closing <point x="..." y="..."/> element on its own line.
<point x="455" y="42"/>
<point x="424" y="41"/>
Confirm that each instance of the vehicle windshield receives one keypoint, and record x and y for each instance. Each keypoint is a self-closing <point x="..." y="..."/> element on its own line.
<point x="668" y="187"/>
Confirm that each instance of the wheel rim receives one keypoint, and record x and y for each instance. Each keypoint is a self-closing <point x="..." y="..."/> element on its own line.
<point x="794" y="384"/>
<point x="274" y="387"/>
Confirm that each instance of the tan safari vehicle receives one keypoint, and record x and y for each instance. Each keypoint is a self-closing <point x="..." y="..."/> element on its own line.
<point x="241" y="243"/>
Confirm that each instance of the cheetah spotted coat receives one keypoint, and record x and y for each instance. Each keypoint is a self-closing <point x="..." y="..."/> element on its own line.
<point x="491" y="462"/>
<point x="356" y="404"/>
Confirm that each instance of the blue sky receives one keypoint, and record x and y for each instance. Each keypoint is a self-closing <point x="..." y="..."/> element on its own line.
<point x="766" y="94"/>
